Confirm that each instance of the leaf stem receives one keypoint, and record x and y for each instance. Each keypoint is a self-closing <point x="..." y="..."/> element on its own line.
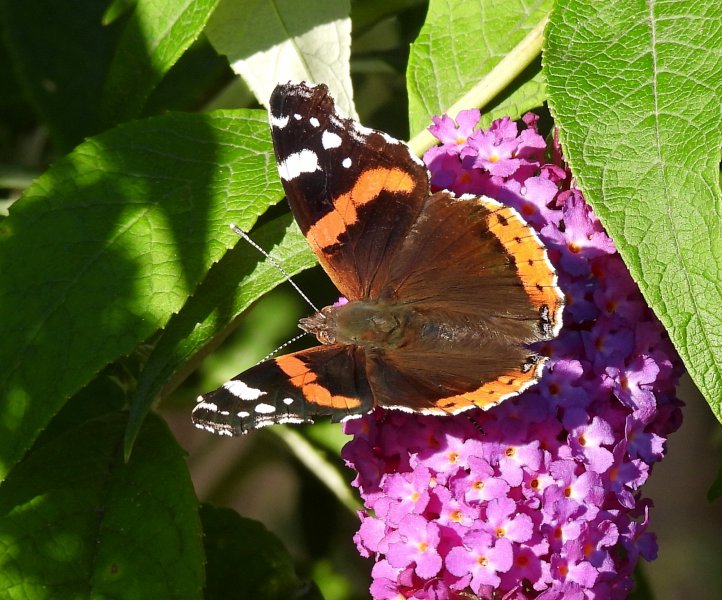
<point x="492" y="84"/>
<point x="315" y="462"/>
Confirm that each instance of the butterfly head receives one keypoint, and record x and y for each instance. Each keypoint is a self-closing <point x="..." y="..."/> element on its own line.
<point x="321" y="324"/>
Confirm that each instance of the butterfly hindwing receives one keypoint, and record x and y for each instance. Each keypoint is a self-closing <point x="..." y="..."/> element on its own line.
<point x="482" y="280"/>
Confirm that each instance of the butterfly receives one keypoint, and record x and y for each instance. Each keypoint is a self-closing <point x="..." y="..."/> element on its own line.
<point x="447" y="295"/>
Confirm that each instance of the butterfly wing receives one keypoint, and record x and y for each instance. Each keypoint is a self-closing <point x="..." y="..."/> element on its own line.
<point x="296" y="388"/>
<point x="481" y="278"/>
<point x="354" y="192"/>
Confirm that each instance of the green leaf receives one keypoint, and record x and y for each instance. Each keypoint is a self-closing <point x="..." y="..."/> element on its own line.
<point x="635" y="89"/>
<point x="272" y="41"/>
<point x="116" y="9"/>
<point x="154" y="37"/>
<point x="460" y="42"/>
<point x="109" y="243"/>
<point x="102" y="396"/>
<point x="367" y="13"/>
<point x="245" y="560"/>
<point x="61" y="56"/>
<point x="232" y="285"/>
<point x="76" y="521"/>
<point x="193" y="83"/>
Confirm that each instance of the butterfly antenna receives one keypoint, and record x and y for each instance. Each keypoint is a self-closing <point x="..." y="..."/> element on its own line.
<point x="282" y="346"/>
<point x="276" y="264"/>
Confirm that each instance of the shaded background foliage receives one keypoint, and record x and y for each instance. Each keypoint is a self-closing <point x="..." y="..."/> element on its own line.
<point x="89" y="92"/>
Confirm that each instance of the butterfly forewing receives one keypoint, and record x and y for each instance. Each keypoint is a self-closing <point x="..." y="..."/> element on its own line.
<point x="296" y="388"/>
<point x="354" y="192"/>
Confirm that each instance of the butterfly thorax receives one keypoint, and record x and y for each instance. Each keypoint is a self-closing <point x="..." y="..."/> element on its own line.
<point x="363" y="323"/>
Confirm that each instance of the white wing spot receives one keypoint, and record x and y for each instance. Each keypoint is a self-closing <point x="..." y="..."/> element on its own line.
<point x="330" y="140"/>
<point x="278" y="122"/>
<point x="288" y="401"/>
<point x="265" y="409"/>
<point x="346" y="163"/>
<point x="243" y="414"/>
<point x="304" y="161"/>
<point x="209" y="406"/>
<point x="314" y="121"/>
<point x="242" y="391"/>
<point x="297" y="117"/>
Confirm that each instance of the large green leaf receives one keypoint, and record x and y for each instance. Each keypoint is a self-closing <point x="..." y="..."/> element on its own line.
<point x="232" y="285"/>
<point x="76" y="521"/>
<point x="154" y="37"/>
<point x="635" y="89"/>
<point x="245" y="560"/>
<point x="109" y="243"/>
<point x="460" y="42"/>
<point x="272" y="41"/>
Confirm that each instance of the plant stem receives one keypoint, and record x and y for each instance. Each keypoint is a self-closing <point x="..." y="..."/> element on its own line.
<point x="491" y="84"/>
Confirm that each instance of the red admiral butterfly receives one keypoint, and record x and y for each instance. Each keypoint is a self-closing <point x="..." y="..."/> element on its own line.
<point x="446" y="294"/>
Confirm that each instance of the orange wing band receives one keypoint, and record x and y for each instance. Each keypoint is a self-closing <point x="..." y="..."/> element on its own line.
<point x="328" y="229"/>
<point x="490" y="393"/>
<point x="533" y="266"/>
<point x="304" y="379"/>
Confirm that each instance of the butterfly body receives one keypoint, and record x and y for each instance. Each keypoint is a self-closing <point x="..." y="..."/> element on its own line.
<point x="446" y="295"/>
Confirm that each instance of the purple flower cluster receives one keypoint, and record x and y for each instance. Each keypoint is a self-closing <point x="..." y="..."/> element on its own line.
<point x="539" y="496"/>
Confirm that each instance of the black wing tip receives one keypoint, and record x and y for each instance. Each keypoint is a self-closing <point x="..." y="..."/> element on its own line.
<point x="298" y="89"/>
<point x="208" y="416"/>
